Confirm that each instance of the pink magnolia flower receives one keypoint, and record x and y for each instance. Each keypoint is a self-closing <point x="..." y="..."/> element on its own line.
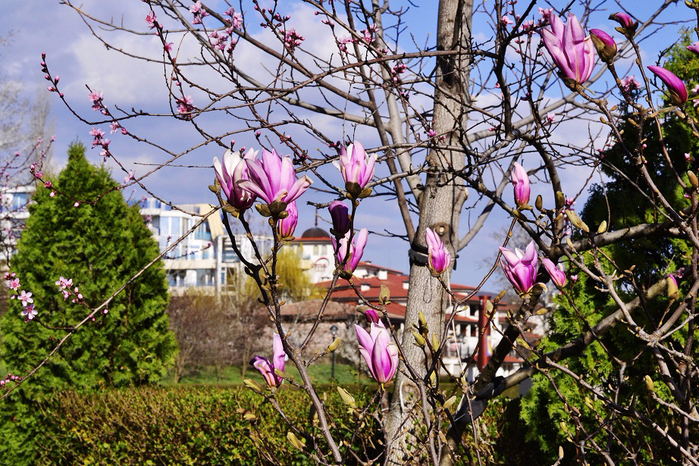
<point x="288" y="225"/>
<point x="273" y="178"/>
<point x="520" y="180"/>
<point x="520" y="267"/>
<point x="605" y="45"/>
<point x="439" y="258"/>
<point x="694" y="48"/>
<point x="673" y="291"/>
<point x="558" y="276"/>
<point x="379" y="352"/>
<point x="354" y="250"/>
<point x="267" y="368"/>
<point x="372" y="316"/>
<point x="572" y="52"/>
<point x="340" y="217"/>
<point x="356" y="165"/>
<point x="627" y="26"/>
<point x="675" y="87"/>
<point x="229" y="173"/>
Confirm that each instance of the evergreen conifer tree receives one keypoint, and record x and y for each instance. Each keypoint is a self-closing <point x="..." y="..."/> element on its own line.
<point x="98" y="244"/>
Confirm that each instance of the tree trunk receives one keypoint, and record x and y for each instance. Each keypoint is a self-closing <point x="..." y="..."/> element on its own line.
<point x="440" y="209"/>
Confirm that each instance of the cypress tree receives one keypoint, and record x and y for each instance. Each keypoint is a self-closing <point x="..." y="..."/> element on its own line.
<point x="99" y="244"/>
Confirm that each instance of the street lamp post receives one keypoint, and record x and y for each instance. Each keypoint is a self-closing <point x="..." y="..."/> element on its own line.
<point x="333" y="332"/>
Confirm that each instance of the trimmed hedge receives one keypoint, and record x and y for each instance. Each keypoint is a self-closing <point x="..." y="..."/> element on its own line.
<point x="180" y="426"/>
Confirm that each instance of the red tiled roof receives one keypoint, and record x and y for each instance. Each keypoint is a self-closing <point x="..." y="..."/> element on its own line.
<point x="314" y="239"/>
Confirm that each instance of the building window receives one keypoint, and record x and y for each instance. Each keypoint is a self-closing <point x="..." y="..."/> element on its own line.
<point x="202" y="232"/>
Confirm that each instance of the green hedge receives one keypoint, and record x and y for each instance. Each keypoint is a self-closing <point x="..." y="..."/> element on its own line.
<point x="182" y="426"/>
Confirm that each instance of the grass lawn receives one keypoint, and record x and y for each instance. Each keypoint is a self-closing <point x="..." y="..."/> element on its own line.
<point x="231" y="375"/>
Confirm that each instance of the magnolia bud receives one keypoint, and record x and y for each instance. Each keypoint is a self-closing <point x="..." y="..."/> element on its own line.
<point x="254" y="386"/>
<point x="673" y="291"/>
<point x="539" y="203"/>
<point x="649" y="383"/>
<point x="605" y="45"/>
<point x="577" y="221"/>
<point x="435" y="343"/>
<point x="295" y="441"/>
<point x="419" y="339"/>
<point x="449" y="402"/>
<point x="602" y="227"/>
<point x="333" y="346"/>
<point x="346" y="397"/>
<point x="560" y="200"/>
<point x="423" y="323"/>
<point x="692" y="179"/>
<point x="384" y="295"/>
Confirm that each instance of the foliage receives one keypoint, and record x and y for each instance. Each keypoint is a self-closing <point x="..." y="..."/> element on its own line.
<point x="182" y="426"/>
<point x="296" y="284"/>
<point x="99" y="245"/>
<point x="214" y="331"/>
<point x="623" y="201"/>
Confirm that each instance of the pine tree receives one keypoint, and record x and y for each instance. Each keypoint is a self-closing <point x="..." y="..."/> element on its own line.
<point x="623" y="201"/>
<point x="98" y="244"/>
<point x="99" y="247"/>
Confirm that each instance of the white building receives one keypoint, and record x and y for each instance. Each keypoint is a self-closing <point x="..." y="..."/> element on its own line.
<point x="13" y="216"/>
<point x="205" y="258"/>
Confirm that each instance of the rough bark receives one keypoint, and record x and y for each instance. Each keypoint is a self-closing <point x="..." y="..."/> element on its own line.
<point x="440" y="208"/>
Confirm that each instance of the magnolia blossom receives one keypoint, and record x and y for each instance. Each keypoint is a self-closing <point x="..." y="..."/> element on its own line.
<point x="372" y="316"/>
<point x="356" y="165"/>
<point x="558" y="276"/>
<point x="675" y="87"/>
<point x="572" y="52"/>
<point x="694" y="48"/>
<point x="439" y="258"/>
<point x="288" y="225"/>
<point x="273" y="178"/>
<point x="673" y="291"/>
<point x="354" y="250"/>
<point x="520" y="267"/>
<point x="229" y="173"/>
<point x="340" y="217"/>
<point x="520" y="180"/>
<point x="627" y="25"/>
<point x="267" y="368"/>
<point x="379" y="352"/>
<point x="605" y="45"/>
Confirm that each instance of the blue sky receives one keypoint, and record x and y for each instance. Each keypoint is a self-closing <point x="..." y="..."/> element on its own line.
<point x="37" y="26"/>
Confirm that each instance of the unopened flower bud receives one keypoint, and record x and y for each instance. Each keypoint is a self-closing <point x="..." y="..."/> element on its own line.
<point x="676" y="89"/>
<point x="673" y="291"/>
<point x="627" y="26"/>
<point x="419" y="339"/>
<point x="577" y="221"/>
<point x="604" y="44"/>
<point x="346" y="397"/>
<point x="333" y="346"/>
<point x="649" y="383"/>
